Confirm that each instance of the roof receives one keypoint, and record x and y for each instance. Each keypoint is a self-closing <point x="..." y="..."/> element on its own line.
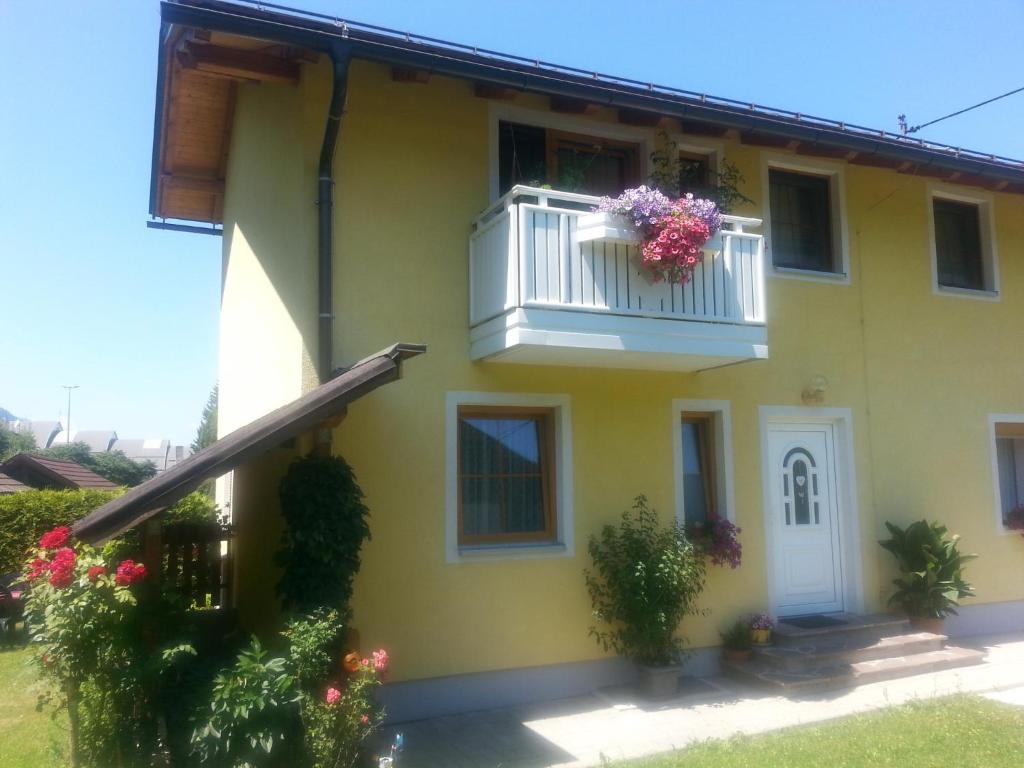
<point x="209" y="45"/>
<point x="98" y="440"/>
<point x="42" y="471"/>
<point x="43" y="432"/>
<point x="244" y="444"/>
<point x="9" y="485"/>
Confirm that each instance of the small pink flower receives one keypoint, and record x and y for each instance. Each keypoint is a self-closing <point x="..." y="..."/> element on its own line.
<point x="365" y="720"/>
<point x="380" y="660"/>
<point x="333" y="696"/>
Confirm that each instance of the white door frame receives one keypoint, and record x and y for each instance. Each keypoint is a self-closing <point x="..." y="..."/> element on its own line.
<point x="849" y="552"/>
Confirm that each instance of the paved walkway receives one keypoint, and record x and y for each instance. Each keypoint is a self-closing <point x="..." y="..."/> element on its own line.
<point x="612" y="724"/>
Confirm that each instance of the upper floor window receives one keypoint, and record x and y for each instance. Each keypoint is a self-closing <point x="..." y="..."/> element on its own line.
<point x="802" y="222"/>
<point x="569" y="162"/>
<point x="963" y="254"/>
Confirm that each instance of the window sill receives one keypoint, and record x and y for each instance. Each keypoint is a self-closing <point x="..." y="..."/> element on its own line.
<point x="810" y="275"/>
<point x="524" y="551"/>
<point x="966" y="293"/>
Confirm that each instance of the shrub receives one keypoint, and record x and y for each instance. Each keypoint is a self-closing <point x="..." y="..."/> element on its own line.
<point x="931" y="580"/>
<point x="646" y="578"/>
<point x="101" y="647"/>
<point x="326" y="524"/>
<point x="26" y="516"/>
<point x="737" y="636"/>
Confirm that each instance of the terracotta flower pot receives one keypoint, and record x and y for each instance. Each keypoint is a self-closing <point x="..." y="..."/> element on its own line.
<point x="928" y="624"/>
<point x="736" y="657"/>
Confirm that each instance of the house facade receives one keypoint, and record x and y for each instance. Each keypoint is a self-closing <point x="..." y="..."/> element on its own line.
<point x="846" y="355"/>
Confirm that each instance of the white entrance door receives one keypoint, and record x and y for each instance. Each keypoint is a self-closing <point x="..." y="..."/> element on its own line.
<point x="804" y="516"/>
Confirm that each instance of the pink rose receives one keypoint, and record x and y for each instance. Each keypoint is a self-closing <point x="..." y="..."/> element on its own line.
<point x="333" y="696"/>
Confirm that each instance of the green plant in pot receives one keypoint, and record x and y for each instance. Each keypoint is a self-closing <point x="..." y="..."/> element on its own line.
<point x="931" y="583"/>
<point x="737" y="643"/>
<point x="646" y="577"/>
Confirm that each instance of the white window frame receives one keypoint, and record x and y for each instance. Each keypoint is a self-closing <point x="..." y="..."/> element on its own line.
<point x="722" y="413"/>
<point x="987" y="229"/>
<point x="997" y="495"/>
<point x="836" y="174"/>
<point x="563" y="546"/>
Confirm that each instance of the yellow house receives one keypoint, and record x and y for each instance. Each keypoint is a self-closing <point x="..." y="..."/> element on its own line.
<point x="845" y="355"/>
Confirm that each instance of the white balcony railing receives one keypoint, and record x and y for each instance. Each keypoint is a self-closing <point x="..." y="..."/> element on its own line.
<point x="525" y="255"/>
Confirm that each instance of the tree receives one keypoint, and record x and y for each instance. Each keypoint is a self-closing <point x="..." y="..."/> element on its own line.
<point x="14" y="441"/>
<point x="207" y="432"/>
<point x="113" y="465"/>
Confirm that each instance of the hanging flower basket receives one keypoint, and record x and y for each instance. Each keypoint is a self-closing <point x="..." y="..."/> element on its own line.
<point x="671" y="233"/>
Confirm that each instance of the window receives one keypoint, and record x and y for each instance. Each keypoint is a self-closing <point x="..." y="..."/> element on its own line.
<point x="695" y="175"/>
<point x="703" y="460"/>
<point x="569" y="162"/>
<point x="505" y="475"/>
<point x="802" y="226"/>
<point x="1009" y="454"/>
<point x="964" y="258"/>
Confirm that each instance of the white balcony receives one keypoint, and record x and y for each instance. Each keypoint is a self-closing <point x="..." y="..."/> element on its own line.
<point x="539" y="295"/>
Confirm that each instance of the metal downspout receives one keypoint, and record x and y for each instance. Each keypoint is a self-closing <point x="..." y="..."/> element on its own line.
<point x="340" y="58"/>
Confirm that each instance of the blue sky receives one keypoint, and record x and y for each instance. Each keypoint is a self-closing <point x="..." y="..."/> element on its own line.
<point x="89" y="296"/>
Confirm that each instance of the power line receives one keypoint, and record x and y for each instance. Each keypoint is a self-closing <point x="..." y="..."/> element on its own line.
<point x="916" y="128"/>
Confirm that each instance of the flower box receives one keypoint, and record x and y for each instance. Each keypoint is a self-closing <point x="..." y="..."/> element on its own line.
<point x="606" y="227"/>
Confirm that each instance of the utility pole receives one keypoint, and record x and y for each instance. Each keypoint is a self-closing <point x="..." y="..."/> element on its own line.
<point x="69" y="387"/>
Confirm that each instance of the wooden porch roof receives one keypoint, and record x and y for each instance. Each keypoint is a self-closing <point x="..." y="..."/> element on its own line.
<point x="298" y="417"/>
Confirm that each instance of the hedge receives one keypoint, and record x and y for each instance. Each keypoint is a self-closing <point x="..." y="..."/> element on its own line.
<point x="26" y="516"/>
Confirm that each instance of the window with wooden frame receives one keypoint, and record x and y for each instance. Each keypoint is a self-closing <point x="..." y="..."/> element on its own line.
<point x="506" y="475"/>
<point x="959" y="252"/>
<point x="700" y="502"/>
<point x="802" y="221"/>
<point x="569" y="162"/>
<point x="1009" y="466"/>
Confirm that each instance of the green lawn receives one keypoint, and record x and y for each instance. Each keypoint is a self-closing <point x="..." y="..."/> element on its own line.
<point x="28" y="739"/>
<point x="959" y="731"/>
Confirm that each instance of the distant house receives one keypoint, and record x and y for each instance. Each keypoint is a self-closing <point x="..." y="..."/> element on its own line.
<point x="9" y="485"/>
<point x="98" y="440"/>
<point x="52" y="474"/>
<point x="44" y="432"/>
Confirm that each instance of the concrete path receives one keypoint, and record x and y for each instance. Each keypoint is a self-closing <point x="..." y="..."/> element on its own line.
<point x="612" y="724"/>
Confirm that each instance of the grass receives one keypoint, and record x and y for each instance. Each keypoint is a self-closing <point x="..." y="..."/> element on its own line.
<point x="28" y="739"/>
<point x="959" y="731"/>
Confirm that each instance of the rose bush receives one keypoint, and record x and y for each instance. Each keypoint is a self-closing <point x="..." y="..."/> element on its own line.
<point x="98" y="648"/>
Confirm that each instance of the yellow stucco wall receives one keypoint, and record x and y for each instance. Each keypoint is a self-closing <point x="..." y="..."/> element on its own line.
<point x="919" y="372"/>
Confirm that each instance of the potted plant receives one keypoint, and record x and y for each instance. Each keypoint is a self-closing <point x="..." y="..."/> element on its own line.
<point x="931" y="581"/>
<point x="672" y="233"/>
<point x="761" y="626"/>
<point x="736" y="642"/>
<point x="645" y="578"/>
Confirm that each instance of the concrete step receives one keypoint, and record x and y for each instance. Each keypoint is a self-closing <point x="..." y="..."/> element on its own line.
<point x="846" y="675"/>
<point x="870" y="626"/>
<point x="843" y="648"/>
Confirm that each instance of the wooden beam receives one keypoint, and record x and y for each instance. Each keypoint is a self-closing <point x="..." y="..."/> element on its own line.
<point x="237" y="64"/>
<point x="821" y="150"/>
<point x="765" y="140"/>
<point x="929" y="172"/>
<point x="877" y="161"/>
<point x="193" y="184"/>
<point x="570" y="106"/>
<point x="640" y="119"/>
<point x="702" y="129"/>
<point x="491" y="91"/>
<point x="404" y="75"/>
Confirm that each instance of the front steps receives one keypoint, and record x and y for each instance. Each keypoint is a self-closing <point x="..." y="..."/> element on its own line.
<point x="865" y="649"/>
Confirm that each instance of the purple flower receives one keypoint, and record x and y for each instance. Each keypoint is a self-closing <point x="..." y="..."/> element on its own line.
<point x="705" y="210"/>
<point x="645" y="206"/>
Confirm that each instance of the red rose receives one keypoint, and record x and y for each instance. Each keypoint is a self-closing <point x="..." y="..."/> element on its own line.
<point x="95" y="572"/>
<point x="129" y="572"/>
<point x="56" y="538"/>
<point x="37" y="568"/>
